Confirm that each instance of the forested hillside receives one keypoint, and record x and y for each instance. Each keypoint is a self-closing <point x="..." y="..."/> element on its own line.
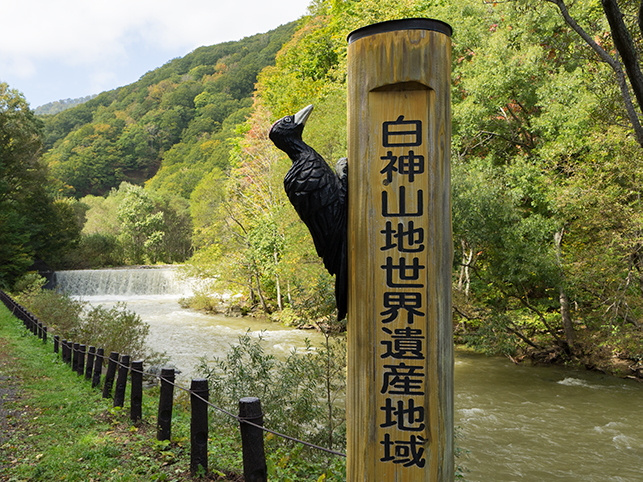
<point x="174" y="120"/>
<point x="33" y="225"/>
<point x="60" y="105"/>
<point x="546" y="196"/>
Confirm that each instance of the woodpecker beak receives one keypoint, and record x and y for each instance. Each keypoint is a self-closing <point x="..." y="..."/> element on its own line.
<point x="302" y="116"/>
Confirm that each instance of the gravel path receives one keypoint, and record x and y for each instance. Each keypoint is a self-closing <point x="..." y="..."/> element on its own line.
<point x="9" y="388"/>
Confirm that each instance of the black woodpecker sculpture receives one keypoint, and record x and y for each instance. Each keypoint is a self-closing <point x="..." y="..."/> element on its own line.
<point x="320" y="196"/>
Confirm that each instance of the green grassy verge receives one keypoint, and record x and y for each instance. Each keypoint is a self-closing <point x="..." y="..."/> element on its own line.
<point x="56" y="427"/>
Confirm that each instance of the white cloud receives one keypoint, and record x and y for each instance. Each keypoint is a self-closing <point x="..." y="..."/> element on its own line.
<point x="76" y="31"/>
<point x="51" y="37"/>
<point x="22" y="67"/>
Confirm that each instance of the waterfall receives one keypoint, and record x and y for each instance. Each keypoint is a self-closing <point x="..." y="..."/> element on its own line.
<point x="122" y="283"/>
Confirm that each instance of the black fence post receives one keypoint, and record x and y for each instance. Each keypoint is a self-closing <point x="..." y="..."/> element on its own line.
<point x="56" y="343"/>
<point x="74" y="357"/>
<point x="121" y="382"/>
<point x="98" y="367"/>
<point x="254" y="458"/>
<point x="70" y="353"/>
<point x="39" y="329"/>
<point x="166" y="403"/>
<point x="91" y="353"/>
<point x="136" y="395"/>
<point x="109" y="376"/>
<point x="44" y="334"/>
<point x="199" y="426"/>
<point x="65" y="351"/>
<point x="80" y="369"/>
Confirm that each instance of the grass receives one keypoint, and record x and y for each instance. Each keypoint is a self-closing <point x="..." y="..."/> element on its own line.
<point x="56" y="427"/>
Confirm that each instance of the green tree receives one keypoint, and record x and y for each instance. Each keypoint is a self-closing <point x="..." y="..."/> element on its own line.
<point x="601" y="246"/>
<point x="536" y="121"/>
<point x="31" y="225"/>
<point x="142" y="226"/>
<point x="237" y="221"/>
<point x="133" y="225"/>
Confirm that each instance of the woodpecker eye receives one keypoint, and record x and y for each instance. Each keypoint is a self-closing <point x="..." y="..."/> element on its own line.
<point x="288" y="119"/>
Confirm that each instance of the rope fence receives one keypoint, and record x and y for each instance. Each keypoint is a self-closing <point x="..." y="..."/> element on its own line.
<point x="89" y="362"/>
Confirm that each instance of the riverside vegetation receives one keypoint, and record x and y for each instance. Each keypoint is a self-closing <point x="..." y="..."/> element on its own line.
<point x="546" y="185"/>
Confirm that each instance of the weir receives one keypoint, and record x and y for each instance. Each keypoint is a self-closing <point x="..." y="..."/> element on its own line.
<point x="125" y="283"/>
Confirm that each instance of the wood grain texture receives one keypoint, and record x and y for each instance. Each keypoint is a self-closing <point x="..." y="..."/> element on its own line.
<point x="400" y="358"/>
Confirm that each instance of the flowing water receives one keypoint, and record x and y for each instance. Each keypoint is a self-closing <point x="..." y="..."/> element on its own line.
<point x="523" y="423"/>
<point x="186" y="336"/>
<point x="516" y="423"/>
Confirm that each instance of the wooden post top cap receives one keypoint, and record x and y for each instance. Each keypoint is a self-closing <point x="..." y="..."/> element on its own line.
<point x="402" y="24"/>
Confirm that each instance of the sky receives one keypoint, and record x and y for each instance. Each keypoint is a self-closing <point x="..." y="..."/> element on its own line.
<point x="66" y="49"/>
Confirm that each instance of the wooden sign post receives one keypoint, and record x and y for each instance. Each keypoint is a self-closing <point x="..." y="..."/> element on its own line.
<point x="400" y="343"/>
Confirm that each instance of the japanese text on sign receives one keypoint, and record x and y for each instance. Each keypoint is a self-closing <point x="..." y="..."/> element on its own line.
<point x="401" y="323"/>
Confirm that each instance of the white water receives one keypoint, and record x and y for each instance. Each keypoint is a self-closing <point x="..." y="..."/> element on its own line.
<point x="541" y="424"/>
<point x="122" y="284"/>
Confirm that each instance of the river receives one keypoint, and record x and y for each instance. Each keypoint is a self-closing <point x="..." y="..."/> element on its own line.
<point x="524" y="423"/>
<point x="516" y="423"/>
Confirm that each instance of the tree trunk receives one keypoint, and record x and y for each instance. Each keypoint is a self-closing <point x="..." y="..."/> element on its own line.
<point x="264" y="305"/>
<point x="463" y="265"/>
<point x="625" y="46"/>
<point x="251" y="291"/>
<point x="614" y="63"/>
<point x="277" y="283"/>
<point x="568" y="326"/>
<point x="279" y="303"/>
<point x="566" y="318"/>
<point x="465" y="279"/>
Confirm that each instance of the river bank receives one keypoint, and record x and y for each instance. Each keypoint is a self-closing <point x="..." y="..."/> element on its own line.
<point x="516" y="422"/>
<point x="186" y="301"/>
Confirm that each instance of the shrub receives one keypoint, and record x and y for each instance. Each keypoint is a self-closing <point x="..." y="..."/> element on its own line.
<point x="113" y="329"/>
<point x="60" y="312"/>
<point x="203" y="300"/>
<point x="298" y="395"/>
<point x="94" y="251"/>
